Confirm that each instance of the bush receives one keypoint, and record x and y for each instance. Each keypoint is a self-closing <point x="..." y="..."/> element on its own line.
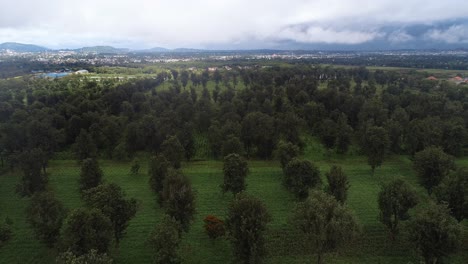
<point x="5" y="234"/>
<point x="214" y="227"/>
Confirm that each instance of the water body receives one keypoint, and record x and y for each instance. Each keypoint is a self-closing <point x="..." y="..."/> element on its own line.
<point x="55" y="74"/>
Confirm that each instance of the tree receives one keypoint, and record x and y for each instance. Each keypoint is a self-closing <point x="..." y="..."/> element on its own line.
<point x="110" y="199"/>
<point x="258" y="131"/>
<point x="325" y="223"/>
<point x="235" y="170"/>
<point x="84" y="146"/>
<point x="338" y="184"/>
<point x="5" y="233"/>
<point x="328" y="131"/>
<point x="179" y="198"/>
<point x="395" y="199"/>
<point x="286" y="151"/>
<point x="300" y="176"/>
<point x="91" y="174"/>
<point x="343" y="137"/>
<point x="453" y="190"/>
<point x="164" y="241"/>
<point x="34" y="178"/>
<point x="434" y="233"/>
<point x="173" y="151"/>
<point x="87" y="229"/>
<point x="158" y="170"/>
<point x="232" y="145"/>
<point x="46" y="214"/>
<point x="92" y="257"/>
<point x="246" y="223"/>
<point x="135" y="167"/>
<point x="375" y="143"/>
<point x="431" y="166"/>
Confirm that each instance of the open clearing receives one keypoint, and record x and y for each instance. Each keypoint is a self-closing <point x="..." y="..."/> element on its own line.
<point x="264" y="181"/>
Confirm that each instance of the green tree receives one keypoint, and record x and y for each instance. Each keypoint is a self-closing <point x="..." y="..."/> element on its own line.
<point x="179" y="198"/>
<point x="5" y="233"/>
<point x="158" y="170"/>
<point x="87" y="229"/>
<point x="434" y="233"/>
<point x="90" y="175"/>
<point x="92" y="257"/>
<point x="453" y="190"/>
<point x="338" y="184"/>
<point x="326" y="225"/>
<point x="286" y="151"/>
<point x="164" y="242"/>
<point x="246" y="223"/>
<point x="375" y="143"/>
<point x="135" y="167"/>
<point x="395" y="199"/>
<point x="232" y="145"/>
<point x="300" y="176"/>
<point x="173" y="151"/>
<point x="343" y="136"/>
<point x="235" y="170"/>
<point x="84" y="146"/>
<point x="34" y="178"/>
<point x="46" y="214"/>
<point x="431" y="166"/>
<point x="110" y="199"/>
<point x="258" y="131"/>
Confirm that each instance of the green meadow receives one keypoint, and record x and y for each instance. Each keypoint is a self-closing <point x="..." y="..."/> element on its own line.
<point x="264" y="181"/>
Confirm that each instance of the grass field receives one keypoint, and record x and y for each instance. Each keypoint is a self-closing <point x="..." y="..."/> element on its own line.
<point x="264" y="181"/>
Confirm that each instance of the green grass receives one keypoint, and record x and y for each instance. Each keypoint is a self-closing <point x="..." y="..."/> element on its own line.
<point x="264" y="181"/>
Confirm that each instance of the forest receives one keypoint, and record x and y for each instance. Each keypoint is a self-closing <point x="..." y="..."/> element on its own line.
<point x="271" y="163"/>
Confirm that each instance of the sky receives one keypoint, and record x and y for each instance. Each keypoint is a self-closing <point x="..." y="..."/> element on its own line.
<point x="235" y="24"/>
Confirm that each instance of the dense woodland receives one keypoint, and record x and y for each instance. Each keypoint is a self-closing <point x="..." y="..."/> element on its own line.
<point x="244" y="114"/>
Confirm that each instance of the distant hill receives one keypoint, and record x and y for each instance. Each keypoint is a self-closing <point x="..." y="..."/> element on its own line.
<point x="19" y="47"/>
<point x="101" y="49"/>
<point x="157" y="49"/>
<point x="187" y="50"/>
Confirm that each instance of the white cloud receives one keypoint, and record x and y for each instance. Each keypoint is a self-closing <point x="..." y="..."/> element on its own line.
<point x="454" y="34"/>
<point x="399" y="36"/>
<point x="316" y="34"/>
<point x="198" y="23"/>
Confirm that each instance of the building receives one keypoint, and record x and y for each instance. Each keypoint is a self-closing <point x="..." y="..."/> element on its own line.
<point x="82" y="72"/>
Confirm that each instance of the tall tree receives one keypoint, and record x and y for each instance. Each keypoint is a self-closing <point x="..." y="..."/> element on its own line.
<point x="46" y="214"/>
<point x="431" y="166"/>
<point x="325" y="223"/>
<point x="158" y="170"/>
<point x="246" y="223"/>
<point x="338" y="183"/>
<point x="179" y="198"/>
<point x="90" y="175"/>
<point x="164" y="242"/>
<point x="235" y="170"/>
<point x="86" y="230"/>
<point x="84" y="146"/>
<point x="34" y="179"/>
<point x="300" y="176"/>
<point x="285" y="152"/>
<point x="434" y="233"/>
<point x="395" y="199"/>
<point x="453" y="190"/>
<point x="173" y="151"/>
<point x="375" y="143"/>
<point x="110" y="199"/>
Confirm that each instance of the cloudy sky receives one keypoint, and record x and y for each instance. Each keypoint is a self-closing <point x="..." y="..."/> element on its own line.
<point x="235" y="23"/>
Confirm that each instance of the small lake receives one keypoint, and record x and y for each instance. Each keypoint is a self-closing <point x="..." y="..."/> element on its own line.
<point x="55" y="74"/>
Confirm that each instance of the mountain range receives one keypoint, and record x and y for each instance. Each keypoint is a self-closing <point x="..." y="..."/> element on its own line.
<point x="285" y="46"/>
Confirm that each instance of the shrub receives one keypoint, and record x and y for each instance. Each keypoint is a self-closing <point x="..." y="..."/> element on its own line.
<point x="214" y="226"/>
